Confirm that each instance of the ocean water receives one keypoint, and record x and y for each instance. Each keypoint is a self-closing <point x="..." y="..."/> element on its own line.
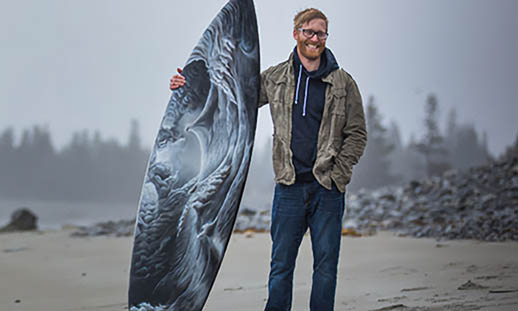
<point x="53" y="215"/>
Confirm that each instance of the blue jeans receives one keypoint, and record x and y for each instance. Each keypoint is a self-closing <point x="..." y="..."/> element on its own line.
<point x="295" y="208"/>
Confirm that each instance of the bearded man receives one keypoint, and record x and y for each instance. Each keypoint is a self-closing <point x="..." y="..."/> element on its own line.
<point x="319" y="135"/>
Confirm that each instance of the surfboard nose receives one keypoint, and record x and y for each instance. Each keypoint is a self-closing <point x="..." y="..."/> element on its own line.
<point x="246" y="54"/>
<point x="247" y="25"/>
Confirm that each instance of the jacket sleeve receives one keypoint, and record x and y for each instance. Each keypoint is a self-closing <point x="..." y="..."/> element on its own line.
<point x="263" y="95"/>
<point x="355" y="136"/>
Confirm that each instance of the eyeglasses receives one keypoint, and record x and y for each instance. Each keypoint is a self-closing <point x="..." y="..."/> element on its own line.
<point x="309" y="33"/>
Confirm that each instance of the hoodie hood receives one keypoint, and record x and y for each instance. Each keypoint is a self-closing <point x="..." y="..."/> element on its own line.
<point x="328" y="64"/>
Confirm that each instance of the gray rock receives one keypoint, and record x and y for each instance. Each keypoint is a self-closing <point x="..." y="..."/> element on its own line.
<point x="470" y="286"/>
<point x="22" y="219"/>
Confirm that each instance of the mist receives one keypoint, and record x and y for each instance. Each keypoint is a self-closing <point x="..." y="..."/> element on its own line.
<point x="74" y="75"/>
<point x="96" y="65"/>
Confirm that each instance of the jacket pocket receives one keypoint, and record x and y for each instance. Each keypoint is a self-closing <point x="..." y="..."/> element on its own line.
<point x="338" y="94"/>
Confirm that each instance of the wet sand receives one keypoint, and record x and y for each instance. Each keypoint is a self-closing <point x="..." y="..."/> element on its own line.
<point x="52" y="271"/>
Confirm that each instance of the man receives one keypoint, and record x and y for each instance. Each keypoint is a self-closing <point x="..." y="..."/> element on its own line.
<point x="319" y="135"/>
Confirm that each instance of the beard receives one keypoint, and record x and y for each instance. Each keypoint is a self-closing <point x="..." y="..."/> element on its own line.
<point x="309" y="49"/>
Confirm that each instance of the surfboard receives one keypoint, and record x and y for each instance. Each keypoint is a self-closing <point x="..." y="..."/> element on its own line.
<point x="197" y="168"/>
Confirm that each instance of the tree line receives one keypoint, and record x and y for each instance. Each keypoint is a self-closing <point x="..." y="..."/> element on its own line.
<point x="88" y="168"/>
<point x="387" y="161"/>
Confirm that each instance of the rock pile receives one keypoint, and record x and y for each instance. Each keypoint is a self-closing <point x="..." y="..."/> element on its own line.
<point x="111" y="228"/>
<point x="252" y="220"/>
<point x="22" y="219"/>
<point x="480" y="204"/>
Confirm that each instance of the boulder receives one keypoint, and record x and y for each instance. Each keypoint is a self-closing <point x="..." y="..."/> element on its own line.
<point x="22" y="219"/>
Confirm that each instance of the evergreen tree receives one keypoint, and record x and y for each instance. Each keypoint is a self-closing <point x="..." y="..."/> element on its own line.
<point x="7" y="160"/>
<point x="134" y="137"/>
<point x="465" y="150"/>
<point x="406" y="163"/>
<point x="451" y="126"/>
<point x="432" y="144"/>
<point x="468" y="150"/>
<point x="373" y="170"/>
<point x="511" y="151"/>
<point x="7" y="141"/>
<point x="394" y="136"/>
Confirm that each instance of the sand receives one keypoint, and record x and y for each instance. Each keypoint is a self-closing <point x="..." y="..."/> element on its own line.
<point x="52" y="271"/>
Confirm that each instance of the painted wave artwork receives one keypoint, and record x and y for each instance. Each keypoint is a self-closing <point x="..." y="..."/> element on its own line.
<point x="198" y="167"/>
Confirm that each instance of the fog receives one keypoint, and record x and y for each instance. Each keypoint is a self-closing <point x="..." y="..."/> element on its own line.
<point x="72" y="67"/>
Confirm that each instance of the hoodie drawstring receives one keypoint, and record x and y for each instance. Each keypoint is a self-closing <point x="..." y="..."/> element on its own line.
<point x="305" y="98"/>
<point x="305" y="92"/>
<point x="298" y="85"/>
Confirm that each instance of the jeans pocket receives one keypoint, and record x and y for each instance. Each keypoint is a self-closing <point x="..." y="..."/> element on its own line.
<point x="332" y="201"/>
<point x="288" y="201"/>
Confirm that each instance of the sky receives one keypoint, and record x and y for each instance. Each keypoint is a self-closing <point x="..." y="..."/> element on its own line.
<point x="97" y="64"/>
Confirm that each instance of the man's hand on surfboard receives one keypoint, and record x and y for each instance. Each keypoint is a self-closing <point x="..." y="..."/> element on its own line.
<point x="177" y="80"/>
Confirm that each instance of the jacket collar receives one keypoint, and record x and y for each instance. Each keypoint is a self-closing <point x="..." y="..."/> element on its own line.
<point x="286" y="73"/>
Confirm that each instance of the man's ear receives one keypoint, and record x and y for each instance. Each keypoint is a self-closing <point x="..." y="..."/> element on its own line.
<point x="295" y="32"/>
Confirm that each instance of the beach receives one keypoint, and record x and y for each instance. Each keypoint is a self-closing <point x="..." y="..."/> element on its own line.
<point x="50" y="270"/>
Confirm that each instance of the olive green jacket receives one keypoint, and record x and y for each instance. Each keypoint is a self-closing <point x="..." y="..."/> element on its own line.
<point x="342" y="135"/>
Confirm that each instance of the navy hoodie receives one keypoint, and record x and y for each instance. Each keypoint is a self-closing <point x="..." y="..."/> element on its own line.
<point x="307" y="112"/>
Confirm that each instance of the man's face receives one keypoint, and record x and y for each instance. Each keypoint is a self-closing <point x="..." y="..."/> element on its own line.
<point x="311" y="48"/>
